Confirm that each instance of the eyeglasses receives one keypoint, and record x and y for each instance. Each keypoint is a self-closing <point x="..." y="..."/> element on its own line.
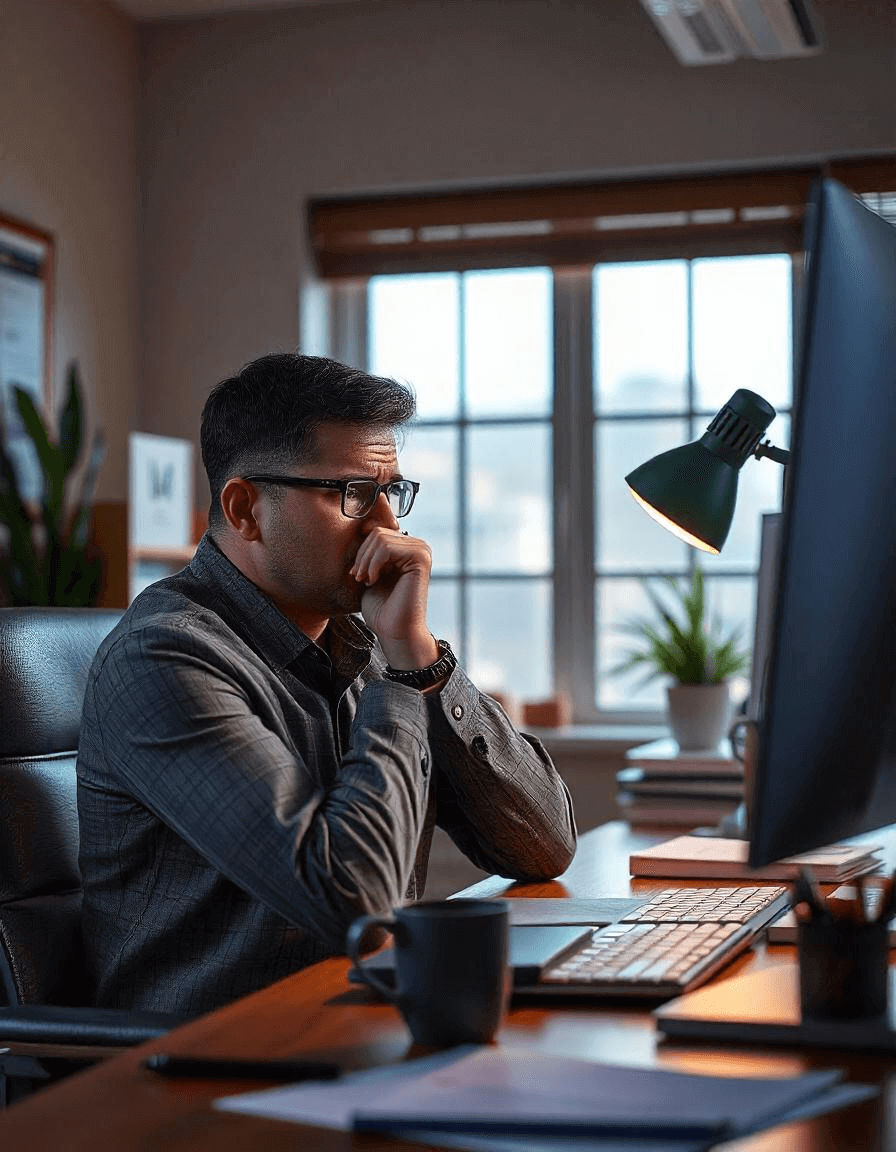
<point x="358" y="496"/>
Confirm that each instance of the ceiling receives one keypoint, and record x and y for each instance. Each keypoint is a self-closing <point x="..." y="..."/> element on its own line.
<point x="173" y="9"/>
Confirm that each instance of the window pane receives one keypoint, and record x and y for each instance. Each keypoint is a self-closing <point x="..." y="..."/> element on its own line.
<point x="510" y="637"/>
<point x="443" y="618"/>
<point x="626" y="538"/>
<point x="508" y="342"/>
<point x="413" y="335"/>
<point x="759" y="489"/>
<point x="509" y="487"/>
<point x="733" y="601"/>
<point x="620" y="601"/>
<point x="640" y="336"/>
<point x="430" y="456"/>
<point x="617" y="603"/>
<point x="742" y="329"/>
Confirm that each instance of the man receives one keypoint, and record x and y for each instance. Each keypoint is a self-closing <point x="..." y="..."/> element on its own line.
<point x="258" y="764"/>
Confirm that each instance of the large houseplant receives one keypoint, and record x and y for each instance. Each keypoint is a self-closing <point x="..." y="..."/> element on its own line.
<point x="695" y="653"/>
<point x="46" y="557"/>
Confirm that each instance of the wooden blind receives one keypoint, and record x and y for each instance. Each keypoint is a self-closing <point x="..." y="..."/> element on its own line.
<point x="735" y="213"/>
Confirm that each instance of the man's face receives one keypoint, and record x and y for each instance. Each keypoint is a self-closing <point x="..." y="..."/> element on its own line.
<point x="309" y="544"/>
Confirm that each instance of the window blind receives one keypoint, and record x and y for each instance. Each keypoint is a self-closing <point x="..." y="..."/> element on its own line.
<point x="734" y="213"/>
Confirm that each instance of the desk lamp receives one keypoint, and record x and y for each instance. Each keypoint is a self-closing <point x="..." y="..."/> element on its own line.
<point x="691" y="490"/>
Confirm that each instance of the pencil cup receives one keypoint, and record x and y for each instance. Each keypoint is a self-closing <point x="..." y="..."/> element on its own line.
<point x="452" y="979"/>
<point x="843" y="969"/>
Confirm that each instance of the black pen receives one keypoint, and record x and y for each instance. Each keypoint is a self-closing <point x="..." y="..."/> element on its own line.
<point x="283" y="1071"/>
<point x="806" y="891"/>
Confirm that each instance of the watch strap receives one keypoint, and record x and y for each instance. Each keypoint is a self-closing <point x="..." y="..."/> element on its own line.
<point x="425" y="677"/>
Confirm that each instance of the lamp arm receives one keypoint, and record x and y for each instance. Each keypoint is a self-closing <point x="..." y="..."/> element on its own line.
<point x="779" y="455"/>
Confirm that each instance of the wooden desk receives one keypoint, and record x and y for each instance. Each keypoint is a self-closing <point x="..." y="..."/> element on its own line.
<point x="116" y="1107"/>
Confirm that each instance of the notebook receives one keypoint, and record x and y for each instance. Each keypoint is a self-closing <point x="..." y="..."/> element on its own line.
<point x="720" y="858"/>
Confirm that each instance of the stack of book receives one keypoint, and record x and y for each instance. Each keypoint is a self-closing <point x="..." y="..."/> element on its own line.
<point x="662" y="785"/>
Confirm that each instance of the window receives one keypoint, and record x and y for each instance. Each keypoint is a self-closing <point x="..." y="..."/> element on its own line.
<point x="556" y="338"/>
<point x="477" y="348"/>
<point x="671" y="341"/>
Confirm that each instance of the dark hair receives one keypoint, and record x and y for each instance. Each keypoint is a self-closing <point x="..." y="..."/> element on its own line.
<point x="265" y="416"/>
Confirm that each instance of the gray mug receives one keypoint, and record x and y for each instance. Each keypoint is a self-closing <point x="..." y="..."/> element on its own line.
<point x="452" y="979"/>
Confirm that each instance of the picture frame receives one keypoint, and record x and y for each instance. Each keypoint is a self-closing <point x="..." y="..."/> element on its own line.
<point x="26" y="336"/>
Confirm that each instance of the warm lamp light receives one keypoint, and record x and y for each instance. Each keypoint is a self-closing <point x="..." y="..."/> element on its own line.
<point x="692" y="490"/>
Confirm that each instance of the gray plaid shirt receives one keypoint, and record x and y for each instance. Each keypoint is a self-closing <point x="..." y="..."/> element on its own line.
<point x="244" y="794"/>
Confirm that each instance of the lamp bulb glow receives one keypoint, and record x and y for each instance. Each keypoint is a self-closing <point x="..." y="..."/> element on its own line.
<point x="672" y="527"/>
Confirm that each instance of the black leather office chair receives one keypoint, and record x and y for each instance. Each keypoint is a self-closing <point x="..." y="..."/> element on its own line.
<point x="45" y="656"/>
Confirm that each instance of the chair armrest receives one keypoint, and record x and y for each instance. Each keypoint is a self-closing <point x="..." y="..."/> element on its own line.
<point x="96" y="1027"/>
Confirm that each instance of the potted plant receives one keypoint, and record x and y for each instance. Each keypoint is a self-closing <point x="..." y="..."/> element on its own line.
<point x="695" y="653"/>
<point x="46" y="557"/>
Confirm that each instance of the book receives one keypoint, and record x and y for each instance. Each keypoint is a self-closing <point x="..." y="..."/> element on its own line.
<point x="718" y="858"/>
<point x="678" y="811"/>
<point x="640" y="782"/>
<point x="665" y="758"/>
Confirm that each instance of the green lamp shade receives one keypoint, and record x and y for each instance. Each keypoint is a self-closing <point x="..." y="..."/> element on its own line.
<point x="692" y="490"/>
<point x="689" y="490"/>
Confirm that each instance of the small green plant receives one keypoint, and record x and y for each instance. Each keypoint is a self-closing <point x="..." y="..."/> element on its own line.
<point x="45" y="553"/>
<point x="680" y="643"/>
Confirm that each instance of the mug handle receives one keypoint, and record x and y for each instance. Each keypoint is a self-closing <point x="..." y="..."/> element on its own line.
<point x="353" y="940"/>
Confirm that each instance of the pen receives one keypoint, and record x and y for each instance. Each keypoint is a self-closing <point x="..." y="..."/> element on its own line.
<point x="887" y="907"/>
<point x="283" y="1071"/>
<point x="806" y="891"/>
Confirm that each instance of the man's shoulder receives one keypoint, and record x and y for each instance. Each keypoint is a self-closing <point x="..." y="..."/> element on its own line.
<point x="171" y="614"/>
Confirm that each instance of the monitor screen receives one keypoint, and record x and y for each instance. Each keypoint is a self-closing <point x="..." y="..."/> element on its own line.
<point x="826" y="763"/>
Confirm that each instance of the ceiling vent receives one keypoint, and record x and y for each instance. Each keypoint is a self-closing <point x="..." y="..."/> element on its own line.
<point x="718" y="31"/>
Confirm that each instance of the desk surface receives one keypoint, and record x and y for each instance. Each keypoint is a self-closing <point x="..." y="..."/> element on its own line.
<point x="116" y="1107"/>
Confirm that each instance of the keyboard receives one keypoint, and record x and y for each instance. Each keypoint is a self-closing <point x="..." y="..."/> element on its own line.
<point x="675" y="941"/>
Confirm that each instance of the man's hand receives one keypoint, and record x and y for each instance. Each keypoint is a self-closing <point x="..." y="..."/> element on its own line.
<point x="395" y="569"/>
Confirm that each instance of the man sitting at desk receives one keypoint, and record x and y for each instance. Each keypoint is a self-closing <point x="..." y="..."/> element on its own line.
<point x="259" y="765"/>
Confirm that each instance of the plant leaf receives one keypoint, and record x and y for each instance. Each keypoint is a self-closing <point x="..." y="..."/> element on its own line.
<point x="71" y="421"/>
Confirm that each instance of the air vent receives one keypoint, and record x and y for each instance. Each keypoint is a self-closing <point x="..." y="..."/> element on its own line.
<point x="718" y="31"/>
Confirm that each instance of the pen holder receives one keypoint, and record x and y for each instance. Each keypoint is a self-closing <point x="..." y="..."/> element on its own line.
<point x="843" y="968"/>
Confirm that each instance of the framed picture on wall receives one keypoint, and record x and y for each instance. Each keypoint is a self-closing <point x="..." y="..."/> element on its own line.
<point x="26" y="324"/>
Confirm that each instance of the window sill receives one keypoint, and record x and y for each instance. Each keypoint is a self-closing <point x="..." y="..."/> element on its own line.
<point x="598" y="737"/>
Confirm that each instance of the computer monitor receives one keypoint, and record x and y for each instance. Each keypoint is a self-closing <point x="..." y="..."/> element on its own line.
<point x="826" y="765"/>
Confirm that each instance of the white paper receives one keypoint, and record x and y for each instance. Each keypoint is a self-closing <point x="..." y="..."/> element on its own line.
<point x="515" y="1078"/>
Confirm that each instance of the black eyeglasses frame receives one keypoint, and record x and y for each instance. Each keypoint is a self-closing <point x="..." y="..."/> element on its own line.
<point x="342" y="487"/>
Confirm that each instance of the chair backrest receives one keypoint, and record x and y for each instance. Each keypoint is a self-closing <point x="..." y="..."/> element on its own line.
<point x="45" y="658"/>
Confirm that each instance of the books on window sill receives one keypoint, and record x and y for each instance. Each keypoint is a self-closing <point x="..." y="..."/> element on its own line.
<point x="662" y="785"/>
<point x="664" y="758"/>
<point x="676" y="811"/>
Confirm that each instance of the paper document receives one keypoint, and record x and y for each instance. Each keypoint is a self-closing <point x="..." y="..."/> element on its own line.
<point x="490" y="1096"/>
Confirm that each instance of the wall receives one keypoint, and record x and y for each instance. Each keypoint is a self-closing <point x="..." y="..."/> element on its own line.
<point x="68" y="164"/>
<point x="244" y="116"/>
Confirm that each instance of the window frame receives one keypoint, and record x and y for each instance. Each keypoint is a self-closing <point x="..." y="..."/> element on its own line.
<point x="571" y="251"/>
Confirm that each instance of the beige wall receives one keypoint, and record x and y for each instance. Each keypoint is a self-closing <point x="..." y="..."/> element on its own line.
<point x="245" y="116"/>
<point x="166" y="283"/>
<point x="68" y="164"/>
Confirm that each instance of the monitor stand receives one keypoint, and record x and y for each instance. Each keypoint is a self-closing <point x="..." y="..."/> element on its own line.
<point x="731" y="827"/>
<point x="764" y="1008"/>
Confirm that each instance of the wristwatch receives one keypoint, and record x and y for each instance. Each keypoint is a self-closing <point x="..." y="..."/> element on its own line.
<point x="424" y="677"/>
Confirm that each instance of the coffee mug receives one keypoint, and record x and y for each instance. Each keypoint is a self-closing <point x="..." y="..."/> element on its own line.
<point x="452" y="980"/>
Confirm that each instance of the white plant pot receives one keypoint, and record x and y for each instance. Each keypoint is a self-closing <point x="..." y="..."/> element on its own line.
<point x="699" y="715"/>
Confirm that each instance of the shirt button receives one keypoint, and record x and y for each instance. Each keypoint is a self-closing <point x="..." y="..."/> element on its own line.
<point x="457" y="711"/>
